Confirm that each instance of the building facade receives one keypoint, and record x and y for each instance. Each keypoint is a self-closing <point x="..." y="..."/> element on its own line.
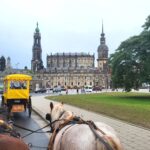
<point x="75" y="70"/>
<point x="63" y="61"/>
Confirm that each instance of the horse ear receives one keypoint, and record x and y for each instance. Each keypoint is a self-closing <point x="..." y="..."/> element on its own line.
<point x="62" y="103"/>
<point x="51" y="105"/>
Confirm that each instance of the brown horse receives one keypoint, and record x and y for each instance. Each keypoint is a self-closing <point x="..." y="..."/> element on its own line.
<point x="8" y="142"/>
<point x="69" y="134"/>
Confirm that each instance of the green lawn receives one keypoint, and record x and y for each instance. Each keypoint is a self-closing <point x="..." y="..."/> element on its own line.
<point x="131" y="107"/>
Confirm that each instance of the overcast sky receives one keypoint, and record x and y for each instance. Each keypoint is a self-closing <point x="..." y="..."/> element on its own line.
<point x="67" y="25"/>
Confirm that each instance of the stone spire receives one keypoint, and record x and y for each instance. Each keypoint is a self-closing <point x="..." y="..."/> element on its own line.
<point x="37" y="28"/>
<point x="102" y="53"/>
<point x="102" y="39"/>
<point x="8" y="63"/>
<point x="36" y="62"/>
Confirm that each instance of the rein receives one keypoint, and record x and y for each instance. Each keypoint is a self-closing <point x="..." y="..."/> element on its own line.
<point x="32" y="131"/>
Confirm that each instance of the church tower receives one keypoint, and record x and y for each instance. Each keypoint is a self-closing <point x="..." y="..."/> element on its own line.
<point x="102" y="50"/>
<point x="8" y="63"/>
<point x="36" y="62"/>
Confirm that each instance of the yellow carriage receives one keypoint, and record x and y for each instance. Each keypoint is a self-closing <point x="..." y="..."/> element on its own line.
<point x="16" y="95"/>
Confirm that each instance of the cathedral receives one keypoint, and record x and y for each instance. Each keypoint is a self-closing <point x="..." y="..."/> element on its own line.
<point x="70" y="70"/>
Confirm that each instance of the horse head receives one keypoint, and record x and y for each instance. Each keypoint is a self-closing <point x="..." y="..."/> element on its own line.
<point x="56" y="112"/>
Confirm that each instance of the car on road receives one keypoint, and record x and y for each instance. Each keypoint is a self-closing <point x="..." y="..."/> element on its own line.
<point x="88" y="88"/>
<point x="43" y="90"/>
<point x="1" y="91"/>
<point x="97" y="88"/>
<point x="56" y="89"/>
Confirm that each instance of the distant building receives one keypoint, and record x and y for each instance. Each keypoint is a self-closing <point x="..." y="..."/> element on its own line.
<point x="36" y="62"/>
<point x="8" y="63"/>
<point x="72" y="70"/>
<point x="102" y="50"/>
<point x="2" y="63"/>
<point x="63" y="61"/>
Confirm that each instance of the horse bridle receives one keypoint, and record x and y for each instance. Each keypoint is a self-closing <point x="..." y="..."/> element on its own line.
<point x="49" y="118"/>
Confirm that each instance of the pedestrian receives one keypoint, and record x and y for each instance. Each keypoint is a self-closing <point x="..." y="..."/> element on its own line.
<point x="77" y="91"/>
<point x="66" y="91"/>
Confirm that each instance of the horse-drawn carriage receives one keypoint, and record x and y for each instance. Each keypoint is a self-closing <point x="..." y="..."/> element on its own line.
<point x="16" y="96"/>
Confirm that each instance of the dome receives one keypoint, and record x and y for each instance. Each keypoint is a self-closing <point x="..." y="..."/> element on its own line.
<point x="102" y="48"/>
<point x="37" y="29"/>
<point x="102" y="51"/>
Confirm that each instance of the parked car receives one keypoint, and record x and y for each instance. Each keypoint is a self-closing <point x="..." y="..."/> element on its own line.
<point x="63" y="89"/>
<point x="43" y="90"/>
<point x="88" y="88"/>
<point x="97" y="88"/>
<point x="56" y="89"/>
<point x="1" y="91"/>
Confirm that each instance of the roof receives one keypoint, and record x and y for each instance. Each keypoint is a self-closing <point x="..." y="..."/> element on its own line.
<point x="71" y="54"/>
<point x="102" y="47"/>
<point x="18" y="77"/>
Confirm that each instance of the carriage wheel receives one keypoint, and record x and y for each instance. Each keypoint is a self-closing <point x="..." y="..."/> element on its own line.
<point x="30" y="107"/>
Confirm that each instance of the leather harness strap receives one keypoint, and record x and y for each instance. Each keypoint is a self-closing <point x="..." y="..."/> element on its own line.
<point x="78" y="120"/>
<point x="6" y="128"/>
<point x="55" y="131"/>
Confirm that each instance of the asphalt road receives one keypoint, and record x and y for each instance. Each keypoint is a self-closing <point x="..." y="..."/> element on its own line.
<point x="38" y="140"/>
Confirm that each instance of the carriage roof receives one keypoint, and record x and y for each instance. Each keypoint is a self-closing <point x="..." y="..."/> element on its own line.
<point x="18" y="77"/>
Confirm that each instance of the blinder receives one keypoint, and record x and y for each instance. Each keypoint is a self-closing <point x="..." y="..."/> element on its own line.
<point x="48" y="117"/>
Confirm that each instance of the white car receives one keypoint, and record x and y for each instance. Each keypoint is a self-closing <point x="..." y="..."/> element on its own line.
<point x="88" y="88"/>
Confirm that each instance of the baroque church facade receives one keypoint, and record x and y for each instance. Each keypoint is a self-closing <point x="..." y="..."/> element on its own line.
<point x="70" y="70"/>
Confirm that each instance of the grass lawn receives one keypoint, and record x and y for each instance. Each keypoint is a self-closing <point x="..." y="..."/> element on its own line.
<point x="130" y="107"/>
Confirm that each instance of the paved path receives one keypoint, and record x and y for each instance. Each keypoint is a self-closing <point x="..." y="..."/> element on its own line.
<point x="132" y="137"/>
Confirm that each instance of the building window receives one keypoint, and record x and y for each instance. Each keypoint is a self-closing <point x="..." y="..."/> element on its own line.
<point x="71" y="83"/>
<point x="65" y="83"/>
<point x="90" y="83"/>
<point x="78" y="83"/>
<point x="85" y="83"/>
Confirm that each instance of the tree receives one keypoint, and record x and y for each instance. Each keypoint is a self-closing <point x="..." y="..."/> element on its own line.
<point x="146" y="25"/>
<point x="2" y="63"/>
<point x="130" y="62"/>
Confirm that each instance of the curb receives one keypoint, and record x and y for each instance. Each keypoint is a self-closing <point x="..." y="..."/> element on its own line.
<point x="40" y="114"/>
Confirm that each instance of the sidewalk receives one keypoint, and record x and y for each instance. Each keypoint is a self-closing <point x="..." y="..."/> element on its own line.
<point x="132" y="137"/>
